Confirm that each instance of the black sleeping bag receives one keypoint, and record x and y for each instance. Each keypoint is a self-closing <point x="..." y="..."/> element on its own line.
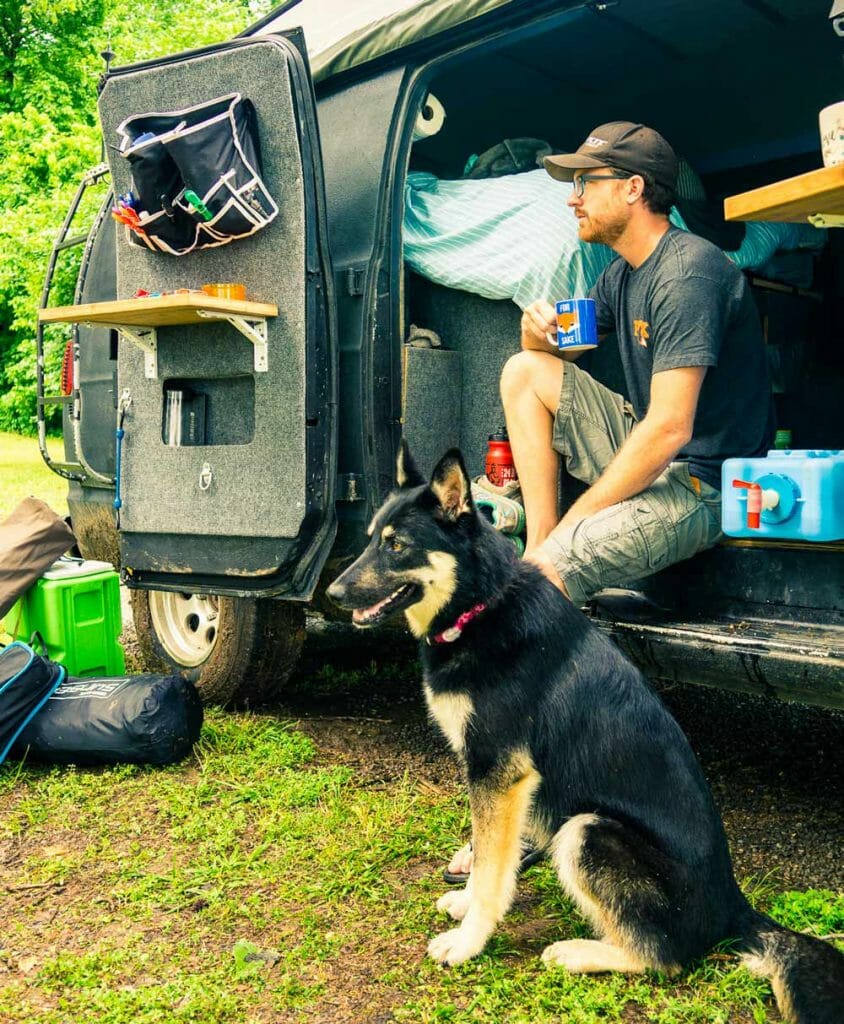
<point x="142" y="719"/>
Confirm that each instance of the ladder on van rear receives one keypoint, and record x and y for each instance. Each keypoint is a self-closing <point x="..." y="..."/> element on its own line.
<point x="78" y="468"/>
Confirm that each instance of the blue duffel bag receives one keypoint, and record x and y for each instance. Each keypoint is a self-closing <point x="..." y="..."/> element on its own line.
<point x="27" y="681"/>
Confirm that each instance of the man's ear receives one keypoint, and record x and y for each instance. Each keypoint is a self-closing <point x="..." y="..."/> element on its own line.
<point x="635" y="188"/>
<point x="407" y="475"/>
<point x="451" y="487"/>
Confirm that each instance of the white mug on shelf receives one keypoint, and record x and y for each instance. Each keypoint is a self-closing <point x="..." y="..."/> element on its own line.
<point x="831" y="120"/>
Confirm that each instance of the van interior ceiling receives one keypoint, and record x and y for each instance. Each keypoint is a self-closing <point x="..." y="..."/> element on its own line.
<point x="735" y="87"/>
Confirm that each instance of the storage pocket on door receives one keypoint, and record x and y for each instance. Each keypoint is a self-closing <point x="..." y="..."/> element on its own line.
<point x="156" y="182"/>
<point x="235" y="212"/>
<point x="200" y="166"/>
<point x="216" y="150"/>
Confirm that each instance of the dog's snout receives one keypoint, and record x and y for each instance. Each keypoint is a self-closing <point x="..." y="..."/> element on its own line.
<point x="337" y="591"/>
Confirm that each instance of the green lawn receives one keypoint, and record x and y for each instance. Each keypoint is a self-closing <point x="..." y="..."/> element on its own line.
<point x="261" y="882"/>
<point x="24" y="472"/>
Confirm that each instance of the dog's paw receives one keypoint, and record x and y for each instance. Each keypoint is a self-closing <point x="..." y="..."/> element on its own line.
<point x="455" y="947"/>
<point x="566" y="954"/>
<point x="454" y="903"/>
<point x="588" y="956"/>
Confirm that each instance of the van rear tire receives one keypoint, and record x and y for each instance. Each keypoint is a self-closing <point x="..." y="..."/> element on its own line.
<point x="238" y="651"/>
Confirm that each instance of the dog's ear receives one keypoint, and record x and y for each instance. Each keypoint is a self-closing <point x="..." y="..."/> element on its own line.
<point x="407" y="475"/>
<point x="451" y="486"/>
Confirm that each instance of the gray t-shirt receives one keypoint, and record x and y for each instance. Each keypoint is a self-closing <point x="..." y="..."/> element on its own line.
<point x="688" y="305"/>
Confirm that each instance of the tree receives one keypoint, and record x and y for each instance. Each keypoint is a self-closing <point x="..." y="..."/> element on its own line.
<point x="48" y="55"/>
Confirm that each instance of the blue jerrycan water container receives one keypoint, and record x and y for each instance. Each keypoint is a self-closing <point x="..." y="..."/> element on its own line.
<point x="789" y="495"/>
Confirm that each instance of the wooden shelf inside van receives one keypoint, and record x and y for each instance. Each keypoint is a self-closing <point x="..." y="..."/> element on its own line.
<point x="794" y="200"/>
<point x="138" y="319"/>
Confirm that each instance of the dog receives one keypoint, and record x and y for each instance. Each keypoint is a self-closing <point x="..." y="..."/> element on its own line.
<point x="565" y="744"/>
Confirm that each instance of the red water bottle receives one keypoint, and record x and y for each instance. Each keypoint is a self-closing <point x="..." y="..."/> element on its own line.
<point x="500" y="468"/>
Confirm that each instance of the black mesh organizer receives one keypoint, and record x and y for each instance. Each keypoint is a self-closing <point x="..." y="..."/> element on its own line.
<point x="196" y="176"/>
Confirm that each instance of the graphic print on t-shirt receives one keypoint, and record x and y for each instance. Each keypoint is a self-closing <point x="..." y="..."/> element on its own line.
<point x="641" y="330"/>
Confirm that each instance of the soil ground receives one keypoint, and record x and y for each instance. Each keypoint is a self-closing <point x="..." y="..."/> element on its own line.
<point x="775" y="768"/>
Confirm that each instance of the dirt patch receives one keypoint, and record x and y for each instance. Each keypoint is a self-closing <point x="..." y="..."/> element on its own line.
<point x="775" y="768"/>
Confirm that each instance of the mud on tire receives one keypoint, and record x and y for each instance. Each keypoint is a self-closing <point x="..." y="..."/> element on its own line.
<point x="239" y="651"/>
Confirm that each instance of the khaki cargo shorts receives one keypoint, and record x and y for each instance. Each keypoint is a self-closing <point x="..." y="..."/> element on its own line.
<point x="677" y="516"/>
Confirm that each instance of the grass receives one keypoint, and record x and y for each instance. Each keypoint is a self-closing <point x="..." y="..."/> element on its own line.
<point x="253" y="883"/>
<point x="24" y="472"/>
<point x="259" y="882"/>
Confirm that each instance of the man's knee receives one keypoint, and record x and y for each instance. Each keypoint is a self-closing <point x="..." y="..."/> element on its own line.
<point x="529" y="371"/>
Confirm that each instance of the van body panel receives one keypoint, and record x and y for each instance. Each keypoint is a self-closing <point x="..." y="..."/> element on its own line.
<point x="268" y="439"/>
<point x="756" y="617"/>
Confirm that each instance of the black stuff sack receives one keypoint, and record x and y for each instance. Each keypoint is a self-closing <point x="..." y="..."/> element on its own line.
<point x="142" y="719"/>
<point x="197" y="176"/>
<point x="27" y="681"/>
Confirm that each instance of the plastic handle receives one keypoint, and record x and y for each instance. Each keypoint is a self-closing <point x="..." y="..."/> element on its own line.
<point x="754" y="502"/>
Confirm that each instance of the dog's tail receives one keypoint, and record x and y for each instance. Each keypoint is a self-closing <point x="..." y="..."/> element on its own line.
<point x="806" y="974"/>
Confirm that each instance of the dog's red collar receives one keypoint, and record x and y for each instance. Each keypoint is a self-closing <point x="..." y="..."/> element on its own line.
<point x="448" y="636"/>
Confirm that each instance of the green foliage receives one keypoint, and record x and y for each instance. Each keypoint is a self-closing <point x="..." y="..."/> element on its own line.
<point x="48" y="55"/>
<point x="817" y="911"/>
<point x="49" y="68"/>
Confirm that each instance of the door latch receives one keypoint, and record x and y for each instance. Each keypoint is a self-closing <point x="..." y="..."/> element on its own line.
<point x="355" y="280"/>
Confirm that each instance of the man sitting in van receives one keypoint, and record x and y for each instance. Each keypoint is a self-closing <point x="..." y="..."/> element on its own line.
<point x="696" y="376"/>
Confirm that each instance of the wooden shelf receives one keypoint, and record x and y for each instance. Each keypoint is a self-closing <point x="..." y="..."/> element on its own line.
<point x="162" y="311"/>
<point x="137" y="320"/>
<point x="793" y="200"/>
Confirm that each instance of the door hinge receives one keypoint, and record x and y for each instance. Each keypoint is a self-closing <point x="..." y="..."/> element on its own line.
<point x="350" y="487"/>
<point x="355" y="280"/>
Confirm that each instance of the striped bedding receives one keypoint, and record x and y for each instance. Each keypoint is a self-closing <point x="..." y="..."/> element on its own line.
<point x="515" y="238"/>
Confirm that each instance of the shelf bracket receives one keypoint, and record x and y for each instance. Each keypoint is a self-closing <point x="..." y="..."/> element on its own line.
<point x="253" y="328"/>
<point x="145" y="338"/>
<point x="826" y="220"/>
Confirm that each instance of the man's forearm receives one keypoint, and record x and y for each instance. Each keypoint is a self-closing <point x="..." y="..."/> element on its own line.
<point x="646" y="453"/>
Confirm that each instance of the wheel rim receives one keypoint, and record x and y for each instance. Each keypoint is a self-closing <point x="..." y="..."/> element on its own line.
<point x="186" y="625"/>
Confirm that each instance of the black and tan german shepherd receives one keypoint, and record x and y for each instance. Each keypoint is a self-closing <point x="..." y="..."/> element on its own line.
<point x="564" y="743"/>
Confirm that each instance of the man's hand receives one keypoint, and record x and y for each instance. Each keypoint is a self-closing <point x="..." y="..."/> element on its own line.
<point x="542" y="560"/>
<point x="649" y="448"/>
<point x="539" y="327"/>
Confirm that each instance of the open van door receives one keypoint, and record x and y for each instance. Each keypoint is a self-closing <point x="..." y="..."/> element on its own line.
<point x="225" y="467"/>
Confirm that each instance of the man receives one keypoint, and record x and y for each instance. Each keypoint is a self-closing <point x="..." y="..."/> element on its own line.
<point x="696" y="377"/>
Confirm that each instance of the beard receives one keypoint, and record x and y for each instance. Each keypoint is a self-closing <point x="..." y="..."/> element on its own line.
<point x="603" y="230"/>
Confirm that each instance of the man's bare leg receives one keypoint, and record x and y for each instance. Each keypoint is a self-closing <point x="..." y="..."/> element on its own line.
<point x="530" y="391"/>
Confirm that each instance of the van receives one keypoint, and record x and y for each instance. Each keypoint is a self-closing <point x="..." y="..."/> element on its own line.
<point x="246" y="448"/>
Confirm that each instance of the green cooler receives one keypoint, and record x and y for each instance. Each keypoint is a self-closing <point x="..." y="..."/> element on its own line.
<point x="75" y="606"/>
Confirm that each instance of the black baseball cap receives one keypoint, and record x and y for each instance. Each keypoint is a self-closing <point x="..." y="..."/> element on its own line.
<point x="623" y="146"/>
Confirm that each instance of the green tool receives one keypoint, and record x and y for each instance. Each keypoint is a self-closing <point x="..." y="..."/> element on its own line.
<point x="197" y="204"/>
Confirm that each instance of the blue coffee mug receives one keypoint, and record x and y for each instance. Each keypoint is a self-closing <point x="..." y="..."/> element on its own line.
<point x="577" y="328"/>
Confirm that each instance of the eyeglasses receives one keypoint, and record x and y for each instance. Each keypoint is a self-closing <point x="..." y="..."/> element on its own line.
<point x="580" y="182"/>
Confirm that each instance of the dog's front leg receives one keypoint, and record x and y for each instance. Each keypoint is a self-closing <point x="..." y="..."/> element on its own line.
<point x="498" y="817"/>
<point x="456" y="902"/>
